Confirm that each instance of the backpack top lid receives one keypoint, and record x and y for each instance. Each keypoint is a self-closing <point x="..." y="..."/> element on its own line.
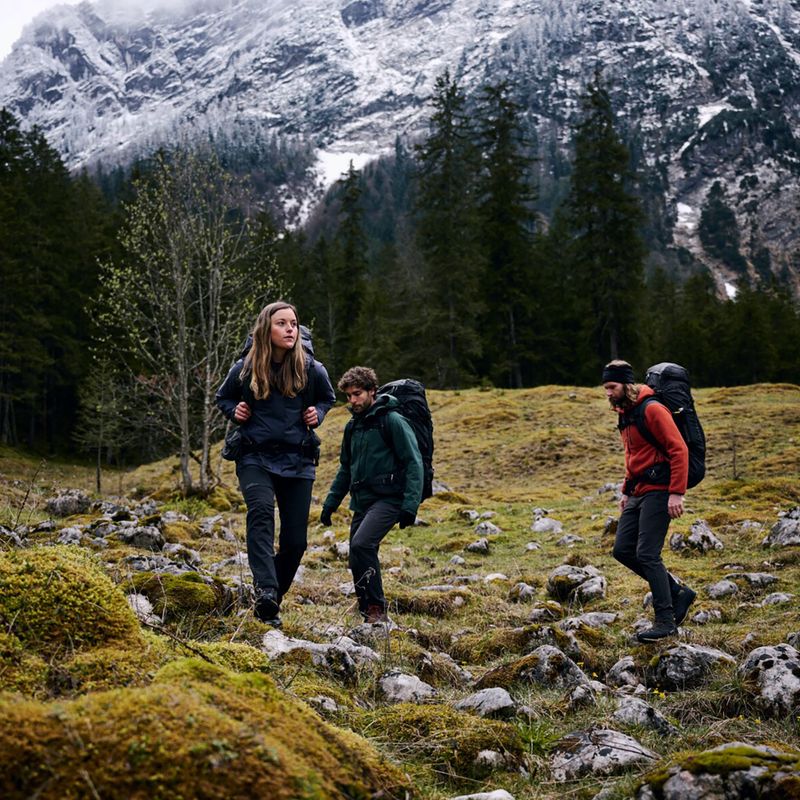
<point x="666" y="371"/>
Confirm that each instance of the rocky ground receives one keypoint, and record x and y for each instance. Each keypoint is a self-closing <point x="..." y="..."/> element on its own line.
<point x="131" y="664"/>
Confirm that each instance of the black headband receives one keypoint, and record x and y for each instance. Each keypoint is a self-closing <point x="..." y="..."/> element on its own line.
<point x="618" y="373"/>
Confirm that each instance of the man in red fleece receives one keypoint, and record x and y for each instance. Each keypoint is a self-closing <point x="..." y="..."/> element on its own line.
<point x="652" y="495"/>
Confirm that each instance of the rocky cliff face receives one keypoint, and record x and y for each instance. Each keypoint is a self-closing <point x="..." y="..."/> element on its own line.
<point x="707" y="91"/>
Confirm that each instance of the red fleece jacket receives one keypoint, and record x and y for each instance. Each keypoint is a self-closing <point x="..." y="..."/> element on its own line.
<point x="640" y="454"/>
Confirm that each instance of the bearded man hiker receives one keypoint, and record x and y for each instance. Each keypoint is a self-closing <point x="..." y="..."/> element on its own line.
<point x="652" y="496"/>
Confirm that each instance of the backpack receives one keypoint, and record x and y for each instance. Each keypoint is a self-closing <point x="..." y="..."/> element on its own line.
<point x="414" y="408"/>
<point x="670" y="382"/>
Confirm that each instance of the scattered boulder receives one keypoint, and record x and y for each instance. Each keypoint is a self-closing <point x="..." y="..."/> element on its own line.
<point x="399" y="687"/>
<point x="756" y="580"/>
<point x="546" y="665"/>
<point x="777" y="599"/>
<point x="774" y="675"/>
<point x="67" y="503"/>
<point x="720" y="589"/>
<point x="493" y="702"/>
<point x="72" y="535"/>
<point x="585" y="694"/>
<point x="530" y="546"/>
<point x="497" y="794"/>
<point x="591" y="619"/>
<point x="143" y="609"/>
<point x="635" y="711"/>
<point x="564" y="580"/>
<point x="341" y="550"/>
<point x="545" y="612"/>
<point x="469" y="514"/>
<point x="731" y="771"/>
<point x="624" y="673"/>
<point x="597" y="751"/>
<point x="148" y="537"/>
<point x="522" y="592"/>
<point x="685" y="666"/>
<point x="546" y="525"/>
<point x="700" y="538"/>
<point x="487" y="528"/>
<point x="569" y="540"/>
<point x="495" y="577"/>
<point x="593" y="589"/>
<point x="458" y="561"/>
<point x="481" y="546"/>
<point x="704" y="616"/>
<point x="786" y="531"/>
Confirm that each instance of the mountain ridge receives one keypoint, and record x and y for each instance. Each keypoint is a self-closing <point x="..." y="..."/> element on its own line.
<point x="707" y="93"/>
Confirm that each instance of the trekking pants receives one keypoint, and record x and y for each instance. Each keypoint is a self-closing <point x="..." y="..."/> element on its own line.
<point x="366" y="534"/>
<point x="261" y="488"/>
<point x="640" y="537"/>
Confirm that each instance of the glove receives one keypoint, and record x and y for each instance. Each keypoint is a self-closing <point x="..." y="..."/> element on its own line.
<point x="325" y="517"/>
<point x="407" y="519"/>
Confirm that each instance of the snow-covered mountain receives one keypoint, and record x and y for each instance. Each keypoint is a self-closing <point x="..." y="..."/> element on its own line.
<point x="708" y="89"/>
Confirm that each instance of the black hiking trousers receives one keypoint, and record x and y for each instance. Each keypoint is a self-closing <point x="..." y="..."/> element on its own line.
<point x="367" y="531"/>
<point x="261" y="489"/>
<point x="641" y="531"/>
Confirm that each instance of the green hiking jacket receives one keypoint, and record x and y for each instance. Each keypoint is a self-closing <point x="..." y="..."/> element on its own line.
<point x="370" y="458"/>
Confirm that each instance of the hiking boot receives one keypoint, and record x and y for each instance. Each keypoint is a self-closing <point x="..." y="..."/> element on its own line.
<point x="681" y="603"/>
<point x="268" y="607"/>
<point x="660" y="630"/>
<point x="376" y="614"/>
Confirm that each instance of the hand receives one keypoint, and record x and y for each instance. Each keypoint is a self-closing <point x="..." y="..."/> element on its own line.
<point x="407" y="519"/>
<point x="623" y="501"/>
<point x="675" y="506"/>
<point x="310" y="417"/>
<point x="242" y="412"/>
<point x="325" y="517"/>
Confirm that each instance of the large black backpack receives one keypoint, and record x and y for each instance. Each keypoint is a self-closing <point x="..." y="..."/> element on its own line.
<point x="414" y="407"/>
<point x="672" y="388"/>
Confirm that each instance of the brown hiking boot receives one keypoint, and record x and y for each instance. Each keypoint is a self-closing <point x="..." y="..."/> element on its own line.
<point x="376" y="614"/>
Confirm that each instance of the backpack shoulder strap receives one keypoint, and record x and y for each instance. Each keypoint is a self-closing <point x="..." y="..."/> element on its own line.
<point x="638" y="418"/>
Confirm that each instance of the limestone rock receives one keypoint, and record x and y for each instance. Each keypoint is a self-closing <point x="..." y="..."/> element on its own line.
<point x="546" y="525"/>
<point x="148" y="537"/>
<point x="702" y="538"/>
<point x="704" y="616"/>
<point x="67" y="503"/>
<point x="774" y="672"/>
<point x="591" y="619"/>
<point x="398" y="687"/>
<point x="756" y="580"/>
<point x="546" y="665"/>
<point x="545" y="612"/>
<point x="731" y="771"/>
<point x="686" y="665"/>
<point x="723" y="588"/>
<point x="777" y="598"/>
<point x="564" y="580"/>
<point x="569" y="540"/>
<point x="786" y="531"/>
<point x="597" y="751"/>
<point x="522" y="592"/>
<point x="487" y="528"/>
<point x="497" y="794"/>
<point x="634" y="711"/>
<point x="593" y="589"/>
<point x="491" y="702"/>
<point x="481" y="546"/>
<point x="623" y="673"/>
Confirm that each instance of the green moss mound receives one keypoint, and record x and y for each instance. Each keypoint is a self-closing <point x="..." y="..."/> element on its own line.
<point x="177" y="595"/>
<point x="197" y="731"/>
<point x="479" y="647"/>
<point x="433" y="604"/>
<point x="54" y="599"/>
<point x="20" y="670"/>
<point x="442" y="735"/>
<point x="736" y="757"/>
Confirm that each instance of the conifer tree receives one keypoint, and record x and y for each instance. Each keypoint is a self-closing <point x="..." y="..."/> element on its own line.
<point x="604" y="217"/>
<point x="507" y="222"/>
<point x="448" y="233"/>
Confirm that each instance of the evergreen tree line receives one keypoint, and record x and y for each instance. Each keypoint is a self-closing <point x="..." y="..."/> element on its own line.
<point x="434" y="264"/>
<point x="118" y="320"/>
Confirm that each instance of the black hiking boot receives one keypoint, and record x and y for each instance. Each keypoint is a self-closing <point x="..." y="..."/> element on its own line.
<point x="376" y="614"/>
<point x="660" y="630"/>
<point x="681" y="603"/>
<point x="268" y="607"/>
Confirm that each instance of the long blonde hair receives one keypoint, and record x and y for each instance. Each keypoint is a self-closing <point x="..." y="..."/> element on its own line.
<point x="291" y="378"/>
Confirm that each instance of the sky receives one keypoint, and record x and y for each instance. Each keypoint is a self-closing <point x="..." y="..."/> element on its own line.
<point x="15" y="14"/>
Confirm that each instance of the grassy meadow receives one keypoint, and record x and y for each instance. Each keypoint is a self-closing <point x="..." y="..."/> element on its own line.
<point x="507" y="452"/>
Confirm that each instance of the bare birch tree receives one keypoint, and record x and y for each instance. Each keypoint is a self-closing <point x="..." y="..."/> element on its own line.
<point x="175" y="307"/>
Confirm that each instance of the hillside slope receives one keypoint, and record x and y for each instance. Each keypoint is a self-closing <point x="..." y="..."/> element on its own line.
<point x="201" y="698"/>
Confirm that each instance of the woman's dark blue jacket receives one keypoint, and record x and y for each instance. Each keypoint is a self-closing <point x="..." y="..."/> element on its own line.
<point x="275" y="430"/>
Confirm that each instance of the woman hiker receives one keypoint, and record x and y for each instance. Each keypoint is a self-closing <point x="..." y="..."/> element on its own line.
<point x="277" y="394"/>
